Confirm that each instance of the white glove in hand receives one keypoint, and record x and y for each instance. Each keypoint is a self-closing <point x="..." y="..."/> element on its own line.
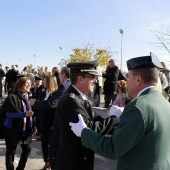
<point x="115" y="111"/>
<point x="78" y="127"/>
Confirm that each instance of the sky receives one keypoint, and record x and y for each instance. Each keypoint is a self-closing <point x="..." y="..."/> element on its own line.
<point x="43" y="32"/>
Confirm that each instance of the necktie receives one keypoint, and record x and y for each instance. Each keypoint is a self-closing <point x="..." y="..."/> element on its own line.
<point x="88" y="108"/>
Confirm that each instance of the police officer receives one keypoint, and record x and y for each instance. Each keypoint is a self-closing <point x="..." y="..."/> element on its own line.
<point x="141" y="141"/>
<point x="71" y="155"/>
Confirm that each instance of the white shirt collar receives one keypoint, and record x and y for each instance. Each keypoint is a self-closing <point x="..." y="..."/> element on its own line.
<point x="66" y="80"/>
<point x="82" y="95"/>
<point x="47" y="95"/>
<point x="144" y="90"/>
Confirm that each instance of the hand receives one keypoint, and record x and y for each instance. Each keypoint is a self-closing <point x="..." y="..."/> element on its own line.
<point x="115" y="111"/>
<point x="32" y="101"/>
<point x="78" y="127"/>
<point x="29" y="113"/>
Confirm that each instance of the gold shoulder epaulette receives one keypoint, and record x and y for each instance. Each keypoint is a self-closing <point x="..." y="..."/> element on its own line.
<point x="133" y="99"/>
<point x="72" y="95"/>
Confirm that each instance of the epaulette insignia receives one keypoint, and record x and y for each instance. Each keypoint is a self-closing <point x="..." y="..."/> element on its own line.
<point x="72" y="95"/>
<point x="133" y="99"/>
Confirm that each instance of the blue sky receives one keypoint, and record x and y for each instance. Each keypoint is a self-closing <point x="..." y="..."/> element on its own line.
<point x="32" y="31"/>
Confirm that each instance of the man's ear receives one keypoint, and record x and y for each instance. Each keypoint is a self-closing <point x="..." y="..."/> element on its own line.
<point x="138" y="80"/>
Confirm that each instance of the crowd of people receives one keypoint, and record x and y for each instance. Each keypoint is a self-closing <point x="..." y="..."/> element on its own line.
<point x="57" y="105"/>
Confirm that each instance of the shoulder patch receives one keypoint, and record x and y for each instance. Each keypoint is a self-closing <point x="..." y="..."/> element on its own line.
<point x="72" y="95"/>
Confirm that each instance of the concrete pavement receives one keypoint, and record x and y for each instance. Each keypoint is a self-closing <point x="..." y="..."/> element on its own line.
<point x="36" y="162"/>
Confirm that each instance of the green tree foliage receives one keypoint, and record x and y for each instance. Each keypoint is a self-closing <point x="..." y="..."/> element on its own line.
<point x="81" y="55"/>
<point x="30" y="67"/>
<point x="87" y="54"/>
<point x="102" y="56"/>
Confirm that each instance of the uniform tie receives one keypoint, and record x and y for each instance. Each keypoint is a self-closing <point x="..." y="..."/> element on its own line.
<point x="88" y="108"/>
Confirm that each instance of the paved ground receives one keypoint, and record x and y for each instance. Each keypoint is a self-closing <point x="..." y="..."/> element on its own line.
<point x="35" y="160"/>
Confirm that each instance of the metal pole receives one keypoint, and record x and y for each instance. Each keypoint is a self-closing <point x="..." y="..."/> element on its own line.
<point x="121" y="32"/>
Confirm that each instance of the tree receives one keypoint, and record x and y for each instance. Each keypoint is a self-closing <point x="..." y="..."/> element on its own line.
<point x="102" y="56"/>
<point x="30" y="67"/>
<point x="88" y="54"/>
<point x="162" y="38"/>
<point x="79" y="54"/>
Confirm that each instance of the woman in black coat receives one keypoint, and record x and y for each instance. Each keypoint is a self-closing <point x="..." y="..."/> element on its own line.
<point x="18" y="124"/>
<point x="47" y="117"/>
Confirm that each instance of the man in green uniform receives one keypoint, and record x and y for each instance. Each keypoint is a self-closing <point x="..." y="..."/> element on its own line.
<point x="141" y="141"/>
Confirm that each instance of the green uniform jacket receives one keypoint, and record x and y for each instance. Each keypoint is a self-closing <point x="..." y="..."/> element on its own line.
<point x="142" y="140"/>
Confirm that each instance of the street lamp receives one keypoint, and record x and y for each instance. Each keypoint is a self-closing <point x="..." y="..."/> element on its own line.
<point x="121" y="32"/>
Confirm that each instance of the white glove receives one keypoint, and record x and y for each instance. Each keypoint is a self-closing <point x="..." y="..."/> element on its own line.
<point x="78" y="127"/>
<point x="115" y="111"/>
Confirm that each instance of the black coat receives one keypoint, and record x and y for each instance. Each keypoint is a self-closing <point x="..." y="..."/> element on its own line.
<point x="71" y="155"/>
<point x="46" y="116"/>
<point x="110" y="83"/>
<point x="13" y="103"/>
<point x="53" y="102"/>
<point x="36" y="91"/>
<point x="11" y="76"/>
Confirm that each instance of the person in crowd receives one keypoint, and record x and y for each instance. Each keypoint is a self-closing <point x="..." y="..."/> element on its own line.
<point x="166" y="71"/>
<point x="99" y="85"/>
<point x="16" y="67"/>
<point x="11" y="77"/>
<point x="41" y="72"/>
<point x="25" y="71"/>
<point x="18" y="124"/>
<point x="2" y="75"/>
<point x="36" y="92"/>
<point x="164" y="83"/>
<point x="120" y="100"/>
<point x="32" y="79"/>
<point x="141" y="140"/>
<point x="46" y="71"/>
<point x="71" y="155"/>
<point x="110" y="83"/>
<point x="53" y="103"/>
<point x="121" y="95"/>
<point x="13" y="84"/>
<point x="121" y="76"/>
<point x="5" y="85"/>
<point x="56" y="72"/>
<point x="47" y="117"/>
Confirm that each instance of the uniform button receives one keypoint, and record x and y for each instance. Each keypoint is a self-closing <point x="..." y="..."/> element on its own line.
<point x="84" y="158"/>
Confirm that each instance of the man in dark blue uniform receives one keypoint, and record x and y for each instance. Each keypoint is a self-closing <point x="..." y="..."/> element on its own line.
<point x="71" y="155"/>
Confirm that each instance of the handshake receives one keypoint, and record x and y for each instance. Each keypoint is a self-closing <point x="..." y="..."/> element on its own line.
<point x="32" y="101"/>
<point x="29" y="113"/>
<point x="115" y="111"/>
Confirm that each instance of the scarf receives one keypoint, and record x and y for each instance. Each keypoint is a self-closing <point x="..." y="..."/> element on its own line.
<point x="27" y="121"/>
